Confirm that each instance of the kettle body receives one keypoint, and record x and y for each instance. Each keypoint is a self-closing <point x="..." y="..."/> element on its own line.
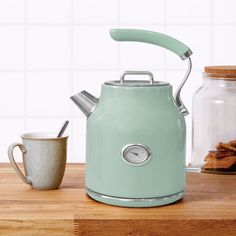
<point x="130" y="116"/>
<point x="136" y="132"/>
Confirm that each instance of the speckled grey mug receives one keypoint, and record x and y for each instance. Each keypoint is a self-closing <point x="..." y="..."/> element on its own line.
<point x="44" y="159"/>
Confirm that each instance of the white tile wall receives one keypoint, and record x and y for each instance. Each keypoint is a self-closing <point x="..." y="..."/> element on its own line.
<point x="224" y="50"/>
<point x="12" y="47"/>
<point x="95" y="12"/>
<point x="48" y="93"/>
<point x="49" y="11"/>
<point x="12" y="11"/>
<point x="188" y="11"/>
<point x="142" y="12"/>
<point x="48" y="47"/>
<point x="12" y="94"/>
<point x="224" y="12"/>
<point x="94" y="49"/>
<point x="51" y="49"/>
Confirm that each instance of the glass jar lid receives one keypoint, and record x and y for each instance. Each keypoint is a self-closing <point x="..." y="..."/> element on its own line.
<point x="220" y="72"/>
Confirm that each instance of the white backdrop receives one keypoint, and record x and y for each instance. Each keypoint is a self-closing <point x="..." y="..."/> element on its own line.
<point x="51" y="49"/>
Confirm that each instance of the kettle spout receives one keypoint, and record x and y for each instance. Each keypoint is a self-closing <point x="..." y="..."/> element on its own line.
<point x="85" y="101"/>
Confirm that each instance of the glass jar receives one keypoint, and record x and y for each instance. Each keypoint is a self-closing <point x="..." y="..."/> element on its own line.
<point x="214" y="121"/>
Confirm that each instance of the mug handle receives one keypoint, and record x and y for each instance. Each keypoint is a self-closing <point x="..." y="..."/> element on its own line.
<point x="26" y="179"/>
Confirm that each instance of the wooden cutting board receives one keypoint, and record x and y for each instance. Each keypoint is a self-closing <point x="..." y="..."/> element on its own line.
<point x="208" y="208"/>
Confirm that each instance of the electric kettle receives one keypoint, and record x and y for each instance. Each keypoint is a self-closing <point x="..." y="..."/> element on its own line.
<point x="135" y="141"/>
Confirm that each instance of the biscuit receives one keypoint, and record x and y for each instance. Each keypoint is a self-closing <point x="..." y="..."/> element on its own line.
<point x="223" y="163"/>
<point x="225" y="146"/>
<point x="222" y="153"/>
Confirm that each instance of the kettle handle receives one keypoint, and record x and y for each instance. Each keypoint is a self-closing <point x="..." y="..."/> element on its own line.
<point x="161" y="40"/>
<point x="151" y="37"/>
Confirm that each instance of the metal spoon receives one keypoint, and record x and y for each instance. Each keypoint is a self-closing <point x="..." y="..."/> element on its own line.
<point x="63" y="128"/>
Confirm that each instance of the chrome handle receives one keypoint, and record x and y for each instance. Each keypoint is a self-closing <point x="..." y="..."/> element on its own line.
<point x="148" y="73"/>
<point x="178" y="100"/>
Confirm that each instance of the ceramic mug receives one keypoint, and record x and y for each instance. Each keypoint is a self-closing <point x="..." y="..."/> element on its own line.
<point x="44" y="159"/>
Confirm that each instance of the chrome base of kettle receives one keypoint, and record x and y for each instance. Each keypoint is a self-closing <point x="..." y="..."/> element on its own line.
<point x="135" y="202"/>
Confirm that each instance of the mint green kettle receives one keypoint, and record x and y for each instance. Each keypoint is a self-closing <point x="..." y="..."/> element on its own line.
<point x="135" y="142"/>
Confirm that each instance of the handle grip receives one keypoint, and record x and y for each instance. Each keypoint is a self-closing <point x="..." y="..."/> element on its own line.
<point x="151" y="37"/>
<point x="26" y="179"/>
<point x="149" y="74"/>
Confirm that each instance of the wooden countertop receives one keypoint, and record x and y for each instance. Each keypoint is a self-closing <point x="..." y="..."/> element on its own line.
<point x="208" y="208"/>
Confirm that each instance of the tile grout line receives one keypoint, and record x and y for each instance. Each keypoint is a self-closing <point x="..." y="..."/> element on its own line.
<point x="118" y="45"/>
<point x="72" y="124"/>
<point x="71" y="69"/>
<point x="25" y="68"/>
<point x="165" y="31"/>
<point x="38" y="117"/>
<point x="212" y="30"/>
<point x="85" y="70"/>
<point x="49" y="24"/>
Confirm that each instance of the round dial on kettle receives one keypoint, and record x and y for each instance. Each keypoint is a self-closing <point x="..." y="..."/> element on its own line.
<point x="136" y="154"/>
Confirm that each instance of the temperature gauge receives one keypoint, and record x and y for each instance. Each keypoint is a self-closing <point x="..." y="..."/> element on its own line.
<point x="136" y="154"/>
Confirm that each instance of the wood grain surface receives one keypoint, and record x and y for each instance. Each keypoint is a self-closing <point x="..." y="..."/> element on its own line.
<point x="208" y="208"/>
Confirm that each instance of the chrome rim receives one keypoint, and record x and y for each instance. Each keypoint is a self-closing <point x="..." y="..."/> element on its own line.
<point x="121" y="199"/>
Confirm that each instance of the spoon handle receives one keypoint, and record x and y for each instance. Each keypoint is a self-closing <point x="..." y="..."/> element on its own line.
<point x="63" y="128"/>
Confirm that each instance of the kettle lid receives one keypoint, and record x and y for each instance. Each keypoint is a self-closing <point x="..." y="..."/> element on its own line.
<point x="136" y="83"/>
